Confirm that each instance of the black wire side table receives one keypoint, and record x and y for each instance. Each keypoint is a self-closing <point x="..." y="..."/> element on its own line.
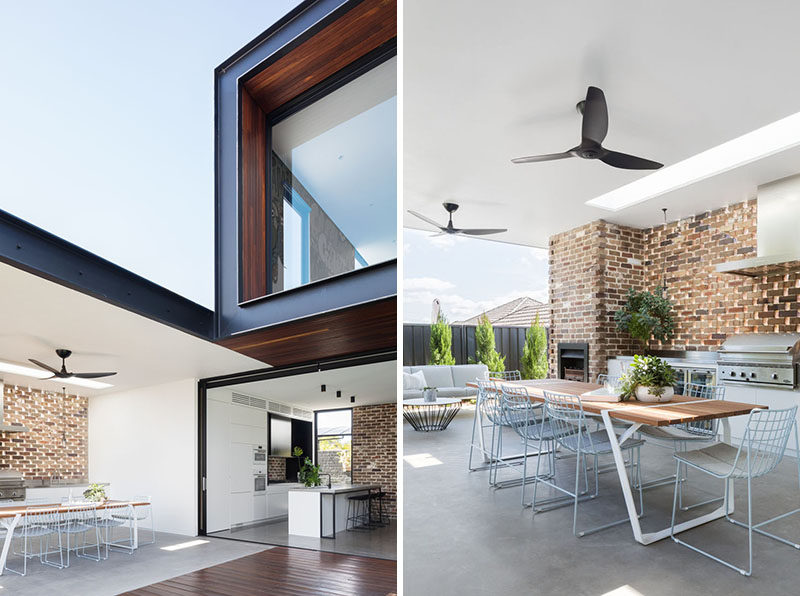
<point x="427" y="416"/>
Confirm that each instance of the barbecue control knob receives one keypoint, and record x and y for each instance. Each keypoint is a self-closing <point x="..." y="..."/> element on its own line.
<point x="733" y="373"/>
<point x="742" y="374"/>
<point x="753" y="375"/>
<point x="775" y="376"/>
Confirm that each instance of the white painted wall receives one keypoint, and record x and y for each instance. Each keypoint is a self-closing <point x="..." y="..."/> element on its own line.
<point x="144" y="441"/>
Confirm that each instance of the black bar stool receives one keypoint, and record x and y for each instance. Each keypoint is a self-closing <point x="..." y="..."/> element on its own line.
<point x="358" y="513"/>
<point x="381" y="518"/>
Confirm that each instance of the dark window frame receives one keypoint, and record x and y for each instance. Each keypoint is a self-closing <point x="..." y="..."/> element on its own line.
<point x="355" y="69"/>
<point x="317" y="435"/>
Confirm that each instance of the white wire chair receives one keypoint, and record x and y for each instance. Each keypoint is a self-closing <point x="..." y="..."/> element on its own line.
<point x="37" y="523"/>
<point x="526" y="418"/>
<point x="106" y="522"/>
<point x="762" y="448"/>
<point x="569" y="425"/>
<point x="133" y="517"/>
<point x="506" y="375"/>
<point x="79" y="520"/>
<point x="680" y="435"/>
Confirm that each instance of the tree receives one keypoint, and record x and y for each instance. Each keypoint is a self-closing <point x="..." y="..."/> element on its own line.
<point x="484" y="346"/>
<point x="441" y="342"/>
<point x="534" y="353"/>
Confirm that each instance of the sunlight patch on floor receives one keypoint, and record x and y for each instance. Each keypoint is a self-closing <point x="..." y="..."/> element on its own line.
<point x="421" y="460"/>
<point x="182" y="545"/>
<point x="625" y="590"/>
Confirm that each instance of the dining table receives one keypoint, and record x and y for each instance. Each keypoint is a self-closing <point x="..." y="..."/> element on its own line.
<point x="678" y="410"/>
<point x="11" y="515"/>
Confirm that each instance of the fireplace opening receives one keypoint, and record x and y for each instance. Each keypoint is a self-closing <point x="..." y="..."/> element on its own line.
<point x="573" y="361"/>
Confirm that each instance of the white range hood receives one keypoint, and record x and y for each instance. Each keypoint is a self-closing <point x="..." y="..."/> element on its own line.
<point x="778" y="232"/>
<point x="7" y="428"/>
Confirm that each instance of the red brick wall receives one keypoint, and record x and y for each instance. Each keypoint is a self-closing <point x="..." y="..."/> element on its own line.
<point x="592" y="267"/>
<point x="375" y="449"/>
<point x="709" y="305"/>
<point x="57" y="438"/>
<point x="276" y="468"/>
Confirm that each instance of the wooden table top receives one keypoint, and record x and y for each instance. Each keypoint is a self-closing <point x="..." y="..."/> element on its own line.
<point x="679" y="410"/>
<point x="12" y="510"/>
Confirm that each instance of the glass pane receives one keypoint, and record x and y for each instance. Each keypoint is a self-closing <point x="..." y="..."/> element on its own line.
<point x="334" y="179"/>
<point x="335" y="422"/>
<point x="334" y="458"/>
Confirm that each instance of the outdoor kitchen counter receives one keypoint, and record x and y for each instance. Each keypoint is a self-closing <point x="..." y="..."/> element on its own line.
<point x="321" y="512"/>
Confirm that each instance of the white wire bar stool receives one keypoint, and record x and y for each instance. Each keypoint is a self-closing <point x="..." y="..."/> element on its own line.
<point x="38" y="524"/>
<point x="762" y="448"/>
<point x="133" y="518"/>
<point x="526" y="418"/>
<point x="79" y="520"/>
<point x="569" y="425"/>
<point x="681" y="435"/>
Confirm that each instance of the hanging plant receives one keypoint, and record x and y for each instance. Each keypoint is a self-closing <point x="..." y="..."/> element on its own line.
<point x="646" y="315"/>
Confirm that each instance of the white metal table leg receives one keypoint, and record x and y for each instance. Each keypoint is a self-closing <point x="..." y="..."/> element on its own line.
<point x="135" y="523"/>
<point x="10" y="524"/>
<point x="651" y="537"/>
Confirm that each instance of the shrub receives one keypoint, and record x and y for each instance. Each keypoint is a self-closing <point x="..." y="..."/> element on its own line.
<point x="484" y="346"/>
<point x="441" y="342"/>
<point x="534" y="353"/>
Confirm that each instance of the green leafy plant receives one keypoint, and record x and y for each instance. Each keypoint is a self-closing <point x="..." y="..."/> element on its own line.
<point x="441" y="342"/>
<point x="297" y="451"/>
<point x="645" y="315"/>
<point x="484" y="346"/>
<point x="647" y="371"/>
<point x="533" y="364"/>
<point x="95" y="492"/>
<point x="309" y="473"/>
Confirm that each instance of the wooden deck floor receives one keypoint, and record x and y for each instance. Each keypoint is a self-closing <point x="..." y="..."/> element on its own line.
<point x="285" y="571"/>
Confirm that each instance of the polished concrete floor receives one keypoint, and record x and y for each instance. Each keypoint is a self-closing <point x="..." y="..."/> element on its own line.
<point x="379" y="542"/>
<point x="462" y="537"/>
<point x="122" y="572"/>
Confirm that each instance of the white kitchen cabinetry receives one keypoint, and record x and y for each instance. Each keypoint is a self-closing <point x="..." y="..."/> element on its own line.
<point x="218" y="483"/>
<point x="241" y="467"/>
<point x="241" y="508"/>
<point x="259" y="507"/>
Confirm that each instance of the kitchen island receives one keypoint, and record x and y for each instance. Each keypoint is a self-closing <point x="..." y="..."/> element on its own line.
<point x="320" y="511"/>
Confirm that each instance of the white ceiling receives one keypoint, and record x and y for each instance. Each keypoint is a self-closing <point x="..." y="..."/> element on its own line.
<point x="370" y="383"/>
<point x="484" y="83"/>
<point x="37" y="316"/>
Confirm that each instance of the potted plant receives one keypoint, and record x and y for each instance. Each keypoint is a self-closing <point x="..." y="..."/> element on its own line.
<point x="649" y="379"/>
<point x="645" y="315"/>
<point x="95" y="492"/>
<point x="429" y="394"/>
<point x="309" y="473"/>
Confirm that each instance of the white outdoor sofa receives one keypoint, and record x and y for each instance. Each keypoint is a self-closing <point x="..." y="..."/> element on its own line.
<point x="450" y="381"/>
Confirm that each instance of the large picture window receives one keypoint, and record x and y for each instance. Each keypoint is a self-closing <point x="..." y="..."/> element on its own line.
<point x="334" y="431"/>
<point x="333" y="182"/>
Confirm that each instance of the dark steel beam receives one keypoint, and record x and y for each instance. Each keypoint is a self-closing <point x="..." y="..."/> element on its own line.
<point x="32" y="249"/>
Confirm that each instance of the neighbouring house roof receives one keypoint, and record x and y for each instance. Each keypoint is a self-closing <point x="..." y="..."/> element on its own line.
<point x="517" y="313"/>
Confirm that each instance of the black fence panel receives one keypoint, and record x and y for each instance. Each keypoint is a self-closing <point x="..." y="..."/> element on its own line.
<point x="509" y="341"/>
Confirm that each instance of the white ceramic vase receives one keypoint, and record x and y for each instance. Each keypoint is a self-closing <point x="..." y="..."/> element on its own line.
<point x="645" y="394"/>
<point x="429" y="395"/>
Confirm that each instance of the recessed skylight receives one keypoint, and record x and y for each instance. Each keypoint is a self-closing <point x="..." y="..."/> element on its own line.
<point x="765" y="141"/>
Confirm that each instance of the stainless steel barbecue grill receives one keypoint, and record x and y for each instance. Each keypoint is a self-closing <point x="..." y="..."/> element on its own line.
<point x="760" y="359"/>
<point x="12" y="486"/>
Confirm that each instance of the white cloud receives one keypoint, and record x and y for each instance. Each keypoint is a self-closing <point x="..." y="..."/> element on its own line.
<point x="425" y="284"/>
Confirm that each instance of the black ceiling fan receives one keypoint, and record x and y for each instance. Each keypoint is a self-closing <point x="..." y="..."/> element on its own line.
<point x="449" y="229"/>
<point x="64" y="373"/>
<point x="593" y="132"/>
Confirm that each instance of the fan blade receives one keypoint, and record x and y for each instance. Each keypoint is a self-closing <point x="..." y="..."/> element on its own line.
<point x="595" y="116"/>
<point x="55" y="371"/>
<point x="482" y="232"/>
<point x="437" y="234"/>
<point x="426" y="219"/>
<point x="92" y="375"/>
<point x="629" y="162"/>
<point x="545" y="157"/>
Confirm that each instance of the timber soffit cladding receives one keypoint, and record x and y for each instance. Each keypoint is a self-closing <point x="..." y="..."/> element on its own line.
<point x="347" y="37"/>
<point x="359" y="329"/>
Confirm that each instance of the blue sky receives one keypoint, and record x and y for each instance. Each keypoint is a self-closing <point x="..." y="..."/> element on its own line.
<point x="467" y="275"/>
<point x="106" y="126"/>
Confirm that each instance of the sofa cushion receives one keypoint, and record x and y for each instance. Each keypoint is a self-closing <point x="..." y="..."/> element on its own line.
<point x="414" y="380"/>
<point x="437" y="376"/>
<point x="467" y="373"/>
<point x="412" y="393"/>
